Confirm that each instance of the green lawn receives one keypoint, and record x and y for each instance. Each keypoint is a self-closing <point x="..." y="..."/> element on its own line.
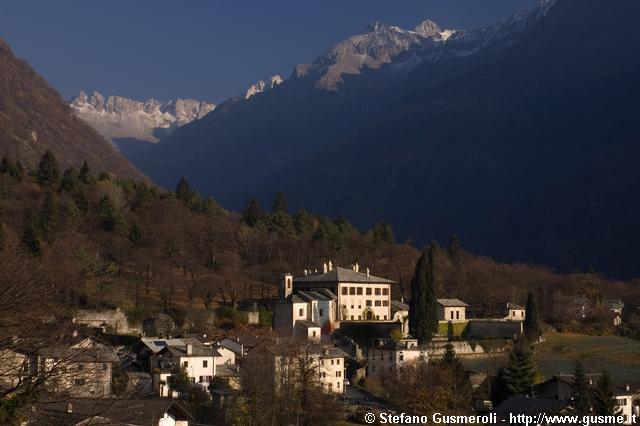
<point x="559" y="353"/>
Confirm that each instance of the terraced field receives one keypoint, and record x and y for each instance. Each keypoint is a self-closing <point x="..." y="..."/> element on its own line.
<point x="559" y="353"/>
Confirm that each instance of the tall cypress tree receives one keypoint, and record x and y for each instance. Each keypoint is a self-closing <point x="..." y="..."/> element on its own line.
<point x="531" y="324"/>
<point x="604" y="397"/>
<point x="48" y="173"/>
<point x="519" y="374"/>
<point x="581" y="391"/>
<point x="431" y="298"/>
<point x="417" y="305"/>
<point x="453" y="249"/>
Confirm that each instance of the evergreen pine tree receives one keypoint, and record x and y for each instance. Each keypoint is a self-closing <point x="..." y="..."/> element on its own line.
<point x="69" y="179"/>
<point x="431" y="298"/>
<point x="5" y="166"/>
<point x="417" y="304"/>
<point x="531" y="326"/>
<point x="183" y="191"/>
<point x="48" y="173"/>
<point x="519" y="374"/>
<point x="85" y="174"/>
<point x="47" y="218"/>
<point x="280" y="204"/>
<point x="30" y="238"/>
<point x="253" y="215"/>
<point x="383" y="232"/>
<point x="304" y="222"/>
<point x="135" y="234"/>
<point x="3" y="236"/>
<point x="581" y="391"/>
<point x="604" y="397"/>
<point x="449" y="354"/>
<point x="17" y="171"/>
<point x="110" y="218"/>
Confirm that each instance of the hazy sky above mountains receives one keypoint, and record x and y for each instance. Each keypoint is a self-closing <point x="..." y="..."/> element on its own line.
<point x="203" y="49"/>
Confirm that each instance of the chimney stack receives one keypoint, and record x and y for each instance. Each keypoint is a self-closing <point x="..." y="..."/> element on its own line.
<point x="189" y="349"/>
<point x="286" y="286"/>
<point x="69" y="408"/>
<point x="367" y="271"/>
<point x="324" y="268"/>
<point x="330" y="266"/>
<point x="356" y="267"/>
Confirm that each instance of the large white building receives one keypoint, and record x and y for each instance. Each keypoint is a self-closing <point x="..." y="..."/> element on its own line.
<point x="325" y="299"/>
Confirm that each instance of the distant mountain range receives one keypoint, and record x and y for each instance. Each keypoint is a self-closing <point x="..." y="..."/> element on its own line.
<point x="522" y="137"/>
<point x="118" y="117"/>
<point x="34" y="118"/>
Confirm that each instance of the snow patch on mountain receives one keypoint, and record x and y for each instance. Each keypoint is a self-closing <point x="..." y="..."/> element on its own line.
<point x="261" y="86"/>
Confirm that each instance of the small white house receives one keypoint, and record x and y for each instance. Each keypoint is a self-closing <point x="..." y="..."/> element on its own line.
<point x="386" y="357"/>
<point x="452" y="310"/>
<point x="515" y="312"/>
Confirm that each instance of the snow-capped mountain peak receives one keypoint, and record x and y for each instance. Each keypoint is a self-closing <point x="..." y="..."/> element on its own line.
<point x="120" y="117"/>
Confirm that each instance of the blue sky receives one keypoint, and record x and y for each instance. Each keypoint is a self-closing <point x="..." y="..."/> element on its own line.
<point x="203" y="49"/>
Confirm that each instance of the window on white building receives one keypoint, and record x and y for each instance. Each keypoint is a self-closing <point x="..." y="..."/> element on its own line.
<point x="205" y="363"/>
<point x="457" y="314"/>
<point x="359" y="291"/>
<point x="301" y="312"/>
<point x="385" y="291"/>
<point x="451" y="314"/>
<point x="352" y="291"/>
<point x="378" y="303"/>
<point x="314" y="333"/>
<point x="377" y="292"/>
<point x="186" y="363"/>
<point x="368" y="292"/>
<point x="345" y="291"/>
<point x="369" y="303"/>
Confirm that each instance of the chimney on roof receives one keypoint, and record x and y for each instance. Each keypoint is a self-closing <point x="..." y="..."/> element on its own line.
<point x="306" y="272"/>
<point x="367" y="271"/>
<point x="356" y="267"/>
<point x="326" y="351"/>
<point x="330" y="266"/>
<point x="69" y="408"/>
<point x="401" y="299"/>
<point x="189" y="349"/>
<point x="324" y="267"/>
<point x="626" y="387"/>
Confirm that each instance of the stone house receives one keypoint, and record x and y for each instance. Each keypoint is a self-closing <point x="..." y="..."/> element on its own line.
<point x="386" y="357"/>
<point x="80" y="370"/>
<point x="195" y="358"/>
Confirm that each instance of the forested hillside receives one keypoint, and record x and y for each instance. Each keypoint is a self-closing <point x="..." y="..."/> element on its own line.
<point x="103" y="242"/>
<point x="34" y="118"/>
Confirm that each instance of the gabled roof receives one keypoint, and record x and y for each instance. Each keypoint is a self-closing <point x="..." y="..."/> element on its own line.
<point x="514" y="306"/>
<point x="397" y="305"/>
<point x="88" y="411"/>
<point x="519" y="404"/>
<point x="342" y="275"/>
<point x="316" y="295"/>
<point x="452" y="303"/>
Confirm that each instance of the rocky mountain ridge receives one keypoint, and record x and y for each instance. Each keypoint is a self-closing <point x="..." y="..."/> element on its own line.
<point x="119" y="117"/>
